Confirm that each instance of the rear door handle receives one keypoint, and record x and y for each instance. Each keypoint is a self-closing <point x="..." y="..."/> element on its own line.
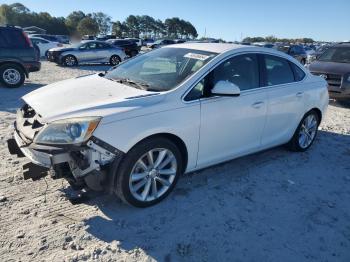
<point x="258" y="104"/>
<point x="300" y="94"/>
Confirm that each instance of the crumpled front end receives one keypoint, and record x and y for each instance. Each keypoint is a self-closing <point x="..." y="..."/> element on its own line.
<point x="74" y="162"/>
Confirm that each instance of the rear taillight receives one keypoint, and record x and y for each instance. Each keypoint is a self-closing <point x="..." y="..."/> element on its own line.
<point x="27" y="39"/>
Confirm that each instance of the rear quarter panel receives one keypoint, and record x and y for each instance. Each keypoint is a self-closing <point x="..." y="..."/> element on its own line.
<point x="316" y="94"/>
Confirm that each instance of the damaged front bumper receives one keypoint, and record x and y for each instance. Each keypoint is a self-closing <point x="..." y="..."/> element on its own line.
<point x="73" y="162"/>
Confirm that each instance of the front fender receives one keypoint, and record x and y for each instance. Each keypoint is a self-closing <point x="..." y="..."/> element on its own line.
<point x="182" y="122"/>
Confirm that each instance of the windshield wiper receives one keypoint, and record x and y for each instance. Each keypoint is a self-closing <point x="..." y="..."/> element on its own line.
<point x="137" y="84"/>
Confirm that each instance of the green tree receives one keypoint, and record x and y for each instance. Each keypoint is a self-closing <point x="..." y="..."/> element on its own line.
<point x="87" y="26"/>
<point x="104" y="22"/>
<point x="119" y="29"/>
<point x="73" y="19"/>
<point x="133" y="26"/>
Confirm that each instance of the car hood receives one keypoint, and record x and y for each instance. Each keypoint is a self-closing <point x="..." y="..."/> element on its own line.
<point x="91" y="95"/>
<point x="62" y="49"/>
<point x="330" y="67"/>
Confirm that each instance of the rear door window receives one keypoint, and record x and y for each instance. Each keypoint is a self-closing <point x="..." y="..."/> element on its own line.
<point x="298" y="73"/>
<point x="278" y="70"/>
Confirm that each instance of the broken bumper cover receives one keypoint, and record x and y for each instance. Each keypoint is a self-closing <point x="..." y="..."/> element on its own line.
<point x="38" y="155"/>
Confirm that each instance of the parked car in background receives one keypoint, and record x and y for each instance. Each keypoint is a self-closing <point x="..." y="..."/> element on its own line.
<point x="136" y="41"/>
<point x="179" y="41"/>
<point x="18" y="57"/>
<point x="44" y="45"/>
<point x="87" y="52"/>
<point x="136" y="129"/>
<point x="51" y="38"/>
<point x="295" y="51"/>
<point x="63" y="39"/>
<point x="130" y="48"/>
<point x="334" y="66"/>
<point x="147" y="41"/>
<point x="263" y="44"/>
<point x="105" y="37"/>
<point x="88" y="37"/>
<point x="319" y="51"/>
<point x="160" y="43"/>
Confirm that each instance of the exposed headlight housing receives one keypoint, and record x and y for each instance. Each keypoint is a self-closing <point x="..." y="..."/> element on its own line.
<point x="68" y="131"/>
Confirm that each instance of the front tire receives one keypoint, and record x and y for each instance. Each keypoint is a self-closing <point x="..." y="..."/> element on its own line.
<point x="69" y="61"/>
<point x="12" y="75"/>
<point x="306" y="132"/>
<point x="149" y="172"/>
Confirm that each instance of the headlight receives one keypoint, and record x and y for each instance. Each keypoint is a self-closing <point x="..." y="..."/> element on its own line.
<point x="68" y="131"/>
<point x="348" y="79"/>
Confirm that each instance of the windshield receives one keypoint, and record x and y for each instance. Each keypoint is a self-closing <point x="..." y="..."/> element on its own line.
<point x="336" y="54"/>
<point x="162" y="69"/>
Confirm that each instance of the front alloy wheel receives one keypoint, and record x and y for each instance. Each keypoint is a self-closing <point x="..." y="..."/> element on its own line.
<point x="153" y="174"/>
<point x="70" y="60"/>
<point x="149" y="172"/>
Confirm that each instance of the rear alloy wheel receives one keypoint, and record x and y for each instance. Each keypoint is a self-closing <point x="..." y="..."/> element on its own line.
<point x="114" y="60"/>
<point x="70" y="61"/>
<point x="149" y="172"/>
<point x="12" y="75"/>
<point x="306" y="132"/>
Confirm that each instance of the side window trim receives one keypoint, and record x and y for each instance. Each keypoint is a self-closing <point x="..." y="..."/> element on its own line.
<point x="289" y="64"/>
<point x="209" y="71"/>
<point x="259" y="58"/>
<point x="262" y="72"/>
<point x="293" y="65"/>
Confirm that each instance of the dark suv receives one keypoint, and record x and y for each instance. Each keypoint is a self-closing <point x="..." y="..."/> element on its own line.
<point x="18" y="57"/>
<point x="130" y="48"/>
<point x="334" y="66"/>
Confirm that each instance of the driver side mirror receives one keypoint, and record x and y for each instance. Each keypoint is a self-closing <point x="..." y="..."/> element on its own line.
<point x="225" y="88"/>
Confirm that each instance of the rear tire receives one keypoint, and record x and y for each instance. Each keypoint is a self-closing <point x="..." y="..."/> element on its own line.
<point x="142" y="166"/>
<point x="114" y="60"/>
<point x="12" y="75"/>
<point x="305" y="133"/>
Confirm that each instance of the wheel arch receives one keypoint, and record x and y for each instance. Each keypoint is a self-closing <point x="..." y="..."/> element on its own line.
<point x="173" y="138"/>
<point x="318" y="111"/>
<point x="17" y="64"/>
<point x="64" y="55"/>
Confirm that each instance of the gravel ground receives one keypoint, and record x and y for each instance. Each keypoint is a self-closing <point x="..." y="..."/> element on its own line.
<point x="271" y="206"/>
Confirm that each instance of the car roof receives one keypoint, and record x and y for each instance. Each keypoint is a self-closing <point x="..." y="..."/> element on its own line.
<point x="217" y="47"/>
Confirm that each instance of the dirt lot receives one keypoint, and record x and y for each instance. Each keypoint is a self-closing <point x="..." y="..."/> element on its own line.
<point x="271" y="206"/>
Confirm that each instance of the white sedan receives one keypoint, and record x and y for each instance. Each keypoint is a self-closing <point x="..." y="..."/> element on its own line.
<point x="44" y="45"/>
<point x="136" y="129"/>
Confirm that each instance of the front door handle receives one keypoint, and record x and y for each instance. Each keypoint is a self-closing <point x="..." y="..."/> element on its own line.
<point x="258" y="104"/>
<point x="300" y="94"/>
